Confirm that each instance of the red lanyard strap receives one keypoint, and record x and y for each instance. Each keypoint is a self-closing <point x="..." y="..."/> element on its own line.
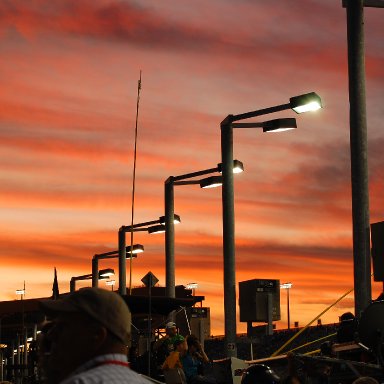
<point x="114" y="362"/>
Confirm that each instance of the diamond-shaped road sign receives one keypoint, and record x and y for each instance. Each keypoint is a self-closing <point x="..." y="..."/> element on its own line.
<point x="150" y="279"/>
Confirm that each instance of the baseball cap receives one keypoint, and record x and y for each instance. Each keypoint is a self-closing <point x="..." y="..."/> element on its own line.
<point x="106" y="307"/>
<point x="170" y="325"/>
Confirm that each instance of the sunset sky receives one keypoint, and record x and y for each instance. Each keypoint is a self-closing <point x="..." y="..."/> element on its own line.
<point x="69" y="71"/>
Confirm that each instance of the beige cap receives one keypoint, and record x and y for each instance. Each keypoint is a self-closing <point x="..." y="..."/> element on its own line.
<point x="106" y="307"/>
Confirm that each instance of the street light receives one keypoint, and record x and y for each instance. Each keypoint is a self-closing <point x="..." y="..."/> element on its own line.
<point x="110" y="283"/>
<point x="287" y="286"/>
<point x="136" y="249"/>
<point x="209" y="182"/>
<point x="103" y="274"/>
<point x="192" y="286"/>
<point x="302" y="103"/>
<point x="148" y="226"/>
<point x="21" y="293"/>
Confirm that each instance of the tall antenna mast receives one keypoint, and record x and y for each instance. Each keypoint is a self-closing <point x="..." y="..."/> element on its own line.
<point x="134" y="182"/>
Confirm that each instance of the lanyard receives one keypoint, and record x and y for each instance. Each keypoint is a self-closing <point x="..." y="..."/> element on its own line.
<point x="113" y="362"/>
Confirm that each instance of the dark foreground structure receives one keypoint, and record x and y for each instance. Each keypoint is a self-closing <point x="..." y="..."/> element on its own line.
<point x="332" y="353"/>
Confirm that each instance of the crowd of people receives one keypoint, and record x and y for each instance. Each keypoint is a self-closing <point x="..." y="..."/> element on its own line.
<point x="186" y="354"/>
<point x="85" y="341"/>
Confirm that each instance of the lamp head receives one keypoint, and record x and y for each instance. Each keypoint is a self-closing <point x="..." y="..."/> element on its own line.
<point x="211" y="182"/>
<point x="279" y="125"/>
<point x="137" y="248"/>
<point x="305" y="103"/>
<point x="176" y="219"/>
<point x="238" y="167"/>
<point x="156" y="229"/>
<point x="105" y="273"/>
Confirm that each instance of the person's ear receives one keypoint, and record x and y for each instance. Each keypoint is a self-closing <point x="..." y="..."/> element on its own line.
<point x="98" y="335"/>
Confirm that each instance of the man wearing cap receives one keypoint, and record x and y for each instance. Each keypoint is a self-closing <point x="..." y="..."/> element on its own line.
<point x="88" y="339"/>
<point x="165" y="346"/>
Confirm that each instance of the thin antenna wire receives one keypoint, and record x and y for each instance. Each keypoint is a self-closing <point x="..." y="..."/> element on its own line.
<point x="134" y="183"/>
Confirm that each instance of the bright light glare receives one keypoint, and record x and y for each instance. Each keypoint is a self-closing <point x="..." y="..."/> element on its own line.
<point x="213" y="185"/>
<point x="238" y="170"/>
<point x="279" y="130"/>
<point x="106" y="273"/>
<point x="286" y="285"/>
<point x="312" y="106"/>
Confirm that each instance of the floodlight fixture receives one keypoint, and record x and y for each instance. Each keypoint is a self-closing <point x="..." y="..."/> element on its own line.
<point x="305" y="103"/>
<point x="176" y="219"/>
<point x="238" y="167"/>
<point x="211" y="182"/>
<point x="279" y="125"/>
<point x="286" y="285"/>
<point x="105" y="273"/>
<point x="276" y="125"/>
<point x="137" y="248"/>
<point x="156" y="229"/>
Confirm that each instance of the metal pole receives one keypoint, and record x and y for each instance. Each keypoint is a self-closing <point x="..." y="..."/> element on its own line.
<point x="359" y="154"/>
<point x="149" y="323"/>
<point x="169" y="238"/>
<point x="289" y="314"/>
<point x="72" y="285"/>
<point x="95" y="271"/>
<point x="122" y="263"/>
<point x="228" y="237"/>
<point x="269" y="314"/>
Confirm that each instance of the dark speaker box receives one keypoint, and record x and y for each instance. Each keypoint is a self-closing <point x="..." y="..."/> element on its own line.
<point x="253" y="300"/>
<point x="377" y="240"/>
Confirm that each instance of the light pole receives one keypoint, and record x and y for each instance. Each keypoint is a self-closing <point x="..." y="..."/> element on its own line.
<point x="137" y="248"/>
<point x="169" y="202"/>
<point x="299" y="104"/>
<point x="103" y="274"/>
<point x="287" y="286"/>
<point x="154" y="226"/>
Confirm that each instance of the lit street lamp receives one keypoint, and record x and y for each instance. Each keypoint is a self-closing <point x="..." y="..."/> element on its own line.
<point x="137" y="248"/>
<point x="103" y="274"/>
<point x="192" y="286"/>
<point x="110" y="283"/>
<point x="208" y="182"/>
<point x="300" y="104"/>
<point x="287" y="286"/>
<point x="154" y="226"/>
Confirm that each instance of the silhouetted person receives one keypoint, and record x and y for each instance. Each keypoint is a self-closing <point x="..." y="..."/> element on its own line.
<point x="88" y="339"/>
